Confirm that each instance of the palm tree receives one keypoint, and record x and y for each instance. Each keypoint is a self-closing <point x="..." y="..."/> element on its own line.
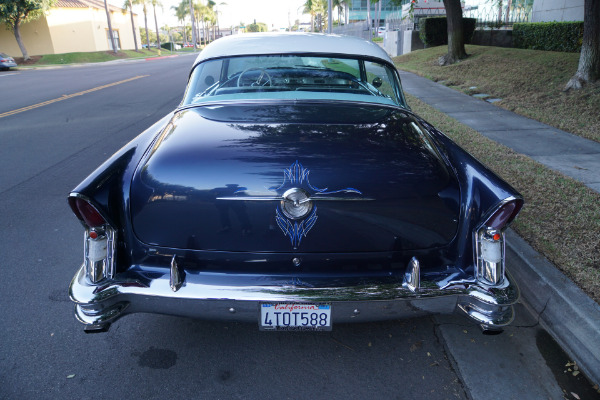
<point x="200" y="10"/>
<point x="129" y="5"/>
<point x="143" y="3"/>
<point x="110" y="31"/>
<point x="181" y="11"/>
<point x="154" y="4"/>
<point x="308" y="9"/>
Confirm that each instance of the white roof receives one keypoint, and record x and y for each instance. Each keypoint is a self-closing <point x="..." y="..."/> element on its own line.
<point x="289" y="43"/>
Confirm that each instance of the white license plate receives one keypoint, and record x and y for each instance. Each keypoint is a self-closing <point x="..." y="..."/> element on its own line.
<point x="295" y="317"/>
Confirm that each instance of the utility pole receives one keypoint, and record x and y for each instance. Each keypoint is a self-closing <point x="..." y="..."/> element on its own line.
<point x="329" y="15"/>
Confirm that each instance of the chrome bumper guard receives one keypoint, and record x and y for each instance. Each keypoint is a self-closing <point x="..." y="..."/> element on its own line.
<point x="99" y="305"/>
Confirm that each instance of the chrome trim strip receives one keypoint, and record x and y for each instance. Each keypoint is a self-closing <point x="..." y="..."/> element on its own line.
<point x="281" y="198"/>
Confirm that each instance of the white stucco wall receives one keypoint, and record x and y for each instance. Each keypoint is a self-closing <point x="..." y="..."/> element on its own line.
<point x="557" y="10"/>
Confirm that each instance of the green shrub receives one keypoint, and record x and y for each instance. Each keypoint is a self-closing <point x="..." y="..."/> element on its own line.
<point x="549" y="36"/>
<point x="434" y="31"/>
<point x="168" y="46"/>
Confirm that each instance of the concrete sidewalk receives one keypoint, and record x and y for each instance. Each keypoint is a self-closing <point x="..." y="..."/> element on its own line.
<point x="571" y="155"/>
<point x="568" y="314"/>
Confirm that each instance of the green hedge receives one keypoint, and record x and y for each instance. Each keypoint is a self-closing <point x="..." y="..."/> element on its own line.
<point x="168" y="46"/>
<point x="434" y="31"/>
<point x="549" y="36"/>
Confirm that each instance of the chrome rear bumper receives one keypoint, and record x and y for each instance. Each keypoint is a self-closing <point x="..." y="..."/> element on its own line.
<point x="99" y="305"/>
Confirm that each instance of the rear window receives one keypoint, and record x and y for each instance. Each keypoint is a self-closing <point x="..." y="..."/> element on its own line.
<point x="293" y="77"/>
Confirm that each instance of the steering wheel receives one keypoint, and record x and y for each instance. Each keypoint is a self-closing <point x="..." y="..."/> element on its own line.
<point x="264" y="79"/>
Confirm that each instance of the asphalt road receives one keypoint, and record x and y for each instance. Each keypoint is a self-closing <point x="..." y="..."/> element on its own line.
<point x="58" y="125"/>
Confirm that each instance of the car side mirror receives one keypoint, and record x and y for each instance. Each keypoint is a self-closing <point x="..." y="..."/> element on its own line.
<point x="377" y="82"/>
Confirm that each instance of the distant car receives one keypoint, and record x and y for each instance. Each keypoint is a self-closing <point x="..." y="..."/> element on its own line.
<point x="294" y="188"/>
<point x="381" y="31"/>
<point x="6" y="62"/>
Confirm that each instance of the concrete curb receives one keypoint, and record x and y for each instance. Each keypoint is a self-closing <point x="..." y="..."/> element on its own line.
<point x="564" y="310"/>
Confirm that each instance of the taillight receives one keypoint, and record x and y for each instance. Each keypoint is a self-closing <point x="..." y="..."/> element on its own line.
<point x="86" y="212"/>
<point x="502" y="217"/>
<point x="489" y="243"/>
<point x="99" y="241"/>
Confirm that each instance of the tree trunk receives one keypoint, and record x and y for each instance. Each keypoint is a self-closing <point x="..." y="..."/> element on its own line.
<point x="110" y="31"/>
<point x="146" y="25"/>
<point x="589" y="60"/>
<point x="346" y="13"/>
<point x="508" y="6"/>
<point x="133" y="26"/>
<point x="156" y="26"/>
<point x="456" y="37"/>
<point x="17" y="32"/>
<point x="194" y="35"/>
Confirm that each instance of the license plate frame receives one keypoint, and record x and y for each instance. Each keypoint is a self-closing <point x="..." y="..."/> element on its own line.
<point x="291" y="316"/>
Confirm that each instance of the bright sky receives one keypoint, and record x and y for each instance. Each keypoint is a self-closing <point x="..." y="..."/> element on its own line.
<point x="275" y="13"/>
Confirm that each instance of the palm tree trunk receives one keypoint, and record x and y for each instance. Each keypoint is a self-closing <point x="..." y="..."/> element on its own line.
<point x="110" y="31"/>
<point x="346" y="13"/>
<point x="146" y="25"/>
<point x="156" y="26"/>
<point x="194" y="37"/>
<point x="369" y="16"/>
<point x="133" y="26"/>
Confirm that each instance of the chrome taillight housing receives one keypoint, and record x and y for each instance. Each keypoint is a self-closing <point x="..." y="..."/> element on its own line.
<point x="98" y="242"/>
<point x="489" y="242"/>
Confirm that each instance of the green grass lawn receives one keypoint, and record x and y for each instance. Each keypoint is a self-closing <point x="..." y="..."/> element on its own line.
<point x="529" y="82"/>
<point x="561" y="217"/>
<point x="97" y="56"/>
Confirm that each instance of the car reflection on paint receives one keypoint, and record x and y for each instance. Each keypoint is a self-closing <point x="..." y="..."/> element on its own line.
<point x="293" y="188"/>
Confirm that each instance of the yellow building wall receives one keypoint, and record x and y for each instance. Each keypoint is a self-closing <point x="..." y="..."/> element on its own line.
<point x="35" y="36"/>
<point x="71" y="30"/>
<point x="67" y="30"/>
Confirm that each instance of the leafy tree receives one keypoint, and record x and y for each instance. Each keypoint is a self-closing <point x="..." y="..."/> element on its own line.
<point x="129" y="5"/>
<point x="181" y="11"/>
<point x="257" y="27"/>
<point x="15" y="12"/>
<point x="152" y="38"/>
<point x="589" y="60"/>
<point x="317" y="10"/>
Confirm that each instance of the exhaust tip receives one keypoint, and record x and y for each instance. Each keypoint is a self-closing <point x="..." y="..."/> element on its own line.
<point x="96" y="328"/>
<point x="490" y="330"/>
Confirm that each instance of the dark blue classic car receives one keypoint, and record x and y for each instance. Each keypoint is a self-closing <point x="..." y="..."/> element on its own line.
<point x="293" y="187"/>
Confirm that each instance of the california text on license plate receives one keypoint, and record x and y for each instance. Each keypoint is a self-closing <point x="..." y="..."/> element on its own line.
<point x="295" y="317"/>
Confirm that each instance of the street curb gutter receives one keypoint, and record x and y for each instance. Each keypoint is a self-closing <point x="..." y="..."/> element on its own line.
<point x="565" y="311"/>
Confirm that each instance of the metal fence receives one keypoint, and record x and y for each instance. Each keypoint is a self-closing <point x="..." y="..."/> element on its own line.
<point x="494" y="17"/>
<point x="358" y="29"/>
<point x="488" y="15"/>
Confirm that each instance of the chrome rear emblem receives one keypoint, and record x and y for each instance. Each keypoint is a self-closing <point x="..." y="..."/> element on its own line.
<point x="296" y="214"/>
<point x="296" y="203"/>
